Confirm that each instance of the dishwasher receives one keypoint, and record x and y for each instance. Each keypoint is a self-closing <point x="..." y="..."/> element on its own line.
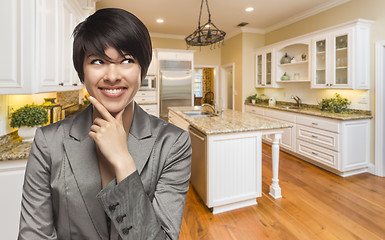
<point x="198" y="177"/>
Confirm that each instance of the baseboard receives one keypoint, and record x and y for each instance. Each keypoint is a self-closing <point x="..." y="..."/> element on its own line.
<point x="371" y="169"/>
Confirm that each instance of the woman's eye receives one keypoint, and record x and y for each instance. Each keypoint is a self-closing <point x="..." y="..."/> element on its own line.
<point x="97" y="62"/>
<point x="128" y="60"/>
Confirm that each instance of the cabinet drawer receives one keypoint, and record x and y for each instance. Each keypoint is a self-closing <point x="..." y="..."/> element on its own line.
<point x="317" y="153"/>
<point x="146" y="94"/>
<point x="328" y="125"/>
<point x="280" y="115"/>
<point x="151" y="109"/>
<point x="255" y="110"/>
<point x="145" y="97"/>
<point x="318" y="137"/>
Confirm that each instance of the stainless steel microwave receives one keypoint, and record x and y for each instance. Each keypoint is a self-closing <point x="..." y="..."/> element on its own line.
<point x="149" y="82"/>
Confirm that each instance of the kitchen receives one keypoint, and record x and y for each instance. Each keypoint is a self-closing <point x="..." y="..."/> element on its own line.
<point x="239" y="50"/>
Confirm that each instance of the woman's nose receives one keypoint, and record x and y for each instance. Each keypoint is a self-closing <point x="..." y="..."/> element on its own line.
<point x="112" y="73"/>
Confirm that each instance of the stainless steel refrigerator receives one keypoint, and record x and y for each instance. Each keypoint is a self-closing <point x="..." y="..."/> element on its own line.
<point x="175" y="85"/>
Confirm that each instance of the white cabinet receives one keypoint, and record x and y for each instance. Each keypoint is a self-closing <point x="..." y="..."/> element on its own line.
<point x="342" y="147"/>
<point x="39" y="45"/>
<point x="170" y="54"/>
<point x="11" y="183"/>
<point x="287" y="140"/>
<point x="17" y="46"/>
<point x="298" y="69"/>
<point x="152" y="68"/>
<point x="265" y="74"/>
<point x="147" y="100"/>
<point x="341" y="57"/>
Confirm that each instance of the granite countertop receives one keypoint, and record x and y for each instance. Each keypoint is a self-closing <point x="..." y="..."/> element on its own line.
<point x="313" y="110"/>
<point x="12" y="147"/>
<point x="230" y="121"/>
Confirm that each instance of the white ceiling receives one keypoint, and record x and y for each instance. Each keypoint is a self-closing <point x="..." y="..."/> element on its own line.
<point x="181" y="16"/>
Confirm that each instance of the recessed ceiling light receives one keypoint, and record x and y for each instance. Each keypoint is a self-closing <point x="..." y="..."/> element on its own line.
<point x="159" y="20"/>
<point x="249" y="9"/>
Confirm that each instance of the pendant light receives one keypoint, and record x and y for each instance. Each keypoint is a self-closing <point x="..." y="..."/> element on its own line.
<point x="206" y="34"/>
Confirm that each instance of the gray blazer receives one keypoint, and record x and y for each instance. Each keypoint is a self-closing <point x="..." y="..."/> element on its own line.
<point x="63" y="196"/>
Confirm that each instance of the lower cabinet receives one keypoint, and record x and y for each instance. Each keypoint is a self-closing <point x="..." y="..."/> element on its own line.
<point x="147" y="100"/>
<point x="11" y="183"/>
<point x="342" y="147"/>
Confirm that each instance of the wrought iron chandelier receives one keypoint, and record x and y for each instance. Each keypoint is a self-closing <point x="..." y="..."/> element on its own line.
<point x="206" y="34"/>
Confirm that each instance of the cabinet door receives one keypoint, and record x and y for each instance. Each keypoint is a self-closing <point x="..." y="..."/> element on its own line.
<point x="259" y="69"/>
<point x="320" y="62"/>
<point x="341" y="63"/>
<point x="47" y="38"/>
<point x="268" y="69"/>
<point x="17" y="46"/>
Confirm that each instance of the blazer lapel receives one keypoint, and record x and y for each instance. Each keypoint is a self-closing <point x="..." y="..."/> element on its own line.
<point x="140" y="141"/>
<point x="81" y="153"/>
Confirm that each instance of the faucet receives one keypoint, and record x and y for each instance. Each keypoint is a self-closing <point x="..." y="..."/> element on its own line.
<point x="298" y="100"/>
<point x="213" y="108"/>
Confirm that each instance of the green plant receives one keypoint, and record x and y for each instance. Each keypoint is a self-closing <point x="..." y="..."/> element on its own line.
<point x="251" y="97"/>
<point x="30" y="115"/>
<point x="335" y="105"/>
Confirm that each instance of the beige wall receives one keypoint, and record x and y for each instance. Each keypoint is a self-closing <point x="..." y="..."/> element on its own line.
<point x="231" y="52"/>
<point x="250" y="42"/>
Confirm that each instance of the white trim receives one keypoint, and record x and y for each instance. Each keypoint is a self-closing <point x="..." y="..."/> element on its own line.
<point x="371" y="169"/>
<point x="306" y="14"/>
<point x="379" y="158"/>
<point x="164" y="35"/>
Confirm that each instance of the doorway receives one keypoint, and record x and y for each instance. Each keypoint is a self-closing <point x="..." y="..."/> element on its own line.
<point x="205" y="85"/>
<point x="227" y="86"/>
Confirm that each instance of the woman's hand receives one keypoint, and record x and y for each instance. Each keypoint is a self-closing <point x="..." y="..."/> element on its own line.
<point x="111" y="139"/>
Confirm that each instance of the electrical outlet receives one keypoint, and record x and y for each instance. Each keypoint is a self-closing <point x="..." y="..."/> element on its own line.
<point x="363" y="100"/>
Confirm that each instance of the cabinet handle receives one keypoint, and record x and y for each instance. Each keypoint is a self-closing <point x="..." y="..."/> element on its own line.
<point x="314" y="153"/>
<point x="61" y="84"/>
<point x="315" y="124"/>
<point x="314" y="136"/>
<point x="330" y="84"/>
<point x="74" y="84"/>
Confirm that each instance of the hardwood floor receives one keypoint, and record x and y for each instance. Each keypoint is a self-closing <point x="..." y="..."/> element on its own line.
<point x="316" y="204"/>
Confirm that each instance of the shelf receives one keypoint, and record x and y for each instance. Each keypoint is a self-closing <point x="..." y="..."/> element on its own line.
<point x="297" y="81"/>
<point x="342" y="67"/>
<point x="323" y="53"/>
<point x="341" y="49"/>
<point x="320" y="69"/>
<point x="291" y="64"/>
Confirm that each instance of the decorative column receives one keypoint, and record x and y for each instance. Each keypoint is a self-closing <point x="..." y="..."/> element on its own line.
<point x="275" y="190"/>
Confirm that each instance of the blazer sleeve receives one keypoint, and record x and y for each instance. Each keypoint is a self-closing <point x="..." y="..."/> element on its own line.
<point x="36" y="218"/>
<point x="132" y="212"/>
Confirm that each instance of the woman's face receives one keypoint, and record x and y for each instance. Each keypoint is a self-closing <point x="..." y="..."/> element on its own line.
<point x="113" y="83"/>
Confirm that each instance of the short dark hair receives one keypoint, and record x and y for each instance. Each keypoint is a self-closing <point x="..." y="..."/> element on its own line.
<point x="112" y="27"/>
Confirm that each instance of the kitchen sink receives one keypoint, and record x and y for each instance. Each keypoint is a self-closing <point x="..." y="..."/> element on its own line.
<point x="199" y="114"/>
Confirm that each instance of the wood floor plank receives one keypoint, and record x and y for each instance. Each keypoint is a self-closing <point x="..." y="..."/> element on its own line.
<point x="316" y="204"/>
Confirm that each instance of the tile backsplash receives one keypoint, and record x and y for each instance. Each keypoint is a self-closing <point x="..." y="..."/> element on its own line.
<point x="67" y="98"/>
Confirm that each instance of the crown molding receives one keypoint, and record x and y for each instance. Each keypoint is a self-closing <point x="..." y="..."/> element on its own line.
<point x="306" y="14"/>
<point x="245" y="30"/>
<point x="164" y="35"/>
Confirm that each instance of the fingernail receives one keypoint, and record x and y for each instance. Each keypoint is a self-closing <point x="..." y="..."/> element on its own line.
<point x="91" y="98"/>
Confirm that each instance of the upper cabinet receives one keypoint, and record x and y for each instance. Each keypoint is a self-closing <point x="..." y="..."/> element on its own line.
<point x="265" y="76"/>
<point x="336" y="57"/>
<point x="39" y="44"/>
<point x="341" y="57"/>
<point x="292" y="61"/>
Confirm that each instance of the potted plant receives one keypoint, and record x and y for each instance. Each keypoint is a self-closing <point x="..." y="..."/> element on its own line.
<point x="337" y="104"/>
<point x="252" y="98"/>
<point x="27" y="119"/>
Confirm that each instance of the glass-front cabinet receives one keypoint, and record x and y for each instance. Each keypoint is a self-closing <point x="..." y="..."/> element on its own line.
<point x="340" y="57"/>
<point x="332" y="63"/>
<point x="264" y="68"/>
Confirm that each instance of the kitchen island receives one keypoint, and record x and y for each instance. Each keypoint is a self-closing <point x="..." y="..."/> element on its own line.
<point x="226" y="168"/>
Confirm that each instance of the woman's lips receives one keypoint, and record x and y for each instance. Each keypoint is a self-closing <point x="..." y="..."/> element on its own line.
<point x="113" y="92"/>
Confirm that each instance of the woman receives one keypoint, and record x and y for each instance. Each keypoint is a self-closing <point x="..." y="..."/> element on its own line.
<point x="113" y="171"/>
